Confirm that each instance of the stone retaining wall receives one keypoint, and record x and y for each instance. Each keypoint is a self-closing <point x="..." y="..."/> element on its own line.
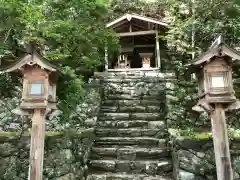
<point x="194" y="159"/>
<point x="66" y="155"/>
<point x="83" y="115"/>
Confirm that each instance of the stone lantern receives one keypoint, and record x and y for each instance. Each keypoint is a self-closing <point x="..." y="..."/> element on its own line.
<point x="38" y="99"/>
<point x="39" y="82"/>
<point x="216" y="95"/>
<point x="214" y="73"/>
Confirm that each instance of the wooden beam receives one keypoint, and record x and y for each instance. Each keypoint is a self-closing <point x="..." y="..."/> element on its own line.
<point x="221" y="144"/>
<point x="155" y="56"/>
<point x="116" y="21"/>
<point x="119" y="24"/>
<point x="137" y="33"/>
<point x="140" y="26"/>
<point x="151" y="20"/>
<point x="106" y="58"/>
<point x="158" y="51"/>
<point x="37" y="146"/>
<point x="144" y="45"/>
<point x="143" y="36"/>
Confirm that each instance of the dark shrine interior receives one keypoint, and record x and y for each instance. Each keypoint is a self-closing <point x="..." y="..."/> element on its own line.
<point x="139" y="44"/>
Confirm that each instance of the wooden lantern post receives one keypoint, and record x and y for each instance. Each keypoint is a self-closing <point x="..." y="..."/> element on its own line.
<point x="214" y="72"/>
<point x="38" y="99"/>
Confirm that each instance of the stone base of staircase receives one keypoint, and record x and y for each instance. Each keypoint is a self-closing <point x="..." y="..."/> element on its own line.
<point x="122" y="176"/>
<point x="153" y="167"/>
<point x="132" y="141"/>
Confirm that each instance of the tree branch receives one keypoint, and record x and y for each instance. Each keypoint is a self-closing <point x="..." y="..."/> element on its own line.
<point x="7" y="35"/>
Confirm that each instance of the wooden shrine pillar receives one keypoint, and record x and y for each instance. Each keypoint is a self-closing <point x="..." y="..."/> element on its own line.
<point x="158" y="64"/>
<point x="106" y="58"/>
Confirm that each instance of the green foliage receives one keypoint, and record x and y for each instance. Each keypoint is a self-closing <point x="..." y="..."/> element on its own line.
<point x="8" y="85"/>
<point x="70" y="33"/>
<point x="193" y="25"/>
<point x="182" y="98"/>
<point x="120" y="7"/>
<point x="191" y="134"/>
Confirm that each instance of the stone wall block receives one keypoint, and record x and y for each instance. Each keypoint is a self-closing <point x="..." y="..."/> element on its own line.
<point x="62" y="159"/>
<point x="194" y="159"/>
<point x="125" y="154"/>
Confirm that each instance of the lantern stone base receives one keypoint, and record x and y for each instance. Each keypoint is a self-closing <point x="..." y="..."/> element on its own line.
<point x="220" y="99"/>
<point x="30" y="105"/>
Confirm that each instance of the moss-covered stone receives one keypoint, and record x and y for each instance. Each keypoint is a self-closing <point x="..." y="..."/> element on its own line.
<point x="66" y="155"/>
<point x="194" y="157"/>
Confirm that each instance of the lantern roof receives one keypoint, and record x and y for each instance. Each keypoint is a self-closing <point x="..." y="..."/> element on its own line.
<point x="219" y="49"/>
<point x="31" y="59"/>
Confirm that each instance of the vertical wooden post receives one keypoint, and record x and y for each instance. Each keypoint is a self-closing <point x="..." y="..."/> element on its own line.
<point x="193" y="29"/>
<point x="158" y="51"/>
<point x="155" y="53"/>
<point x="130" y="26"/>
<point x="221" y="144"/>
<point x="106" y="58"/>
<point x="37" y="146"/>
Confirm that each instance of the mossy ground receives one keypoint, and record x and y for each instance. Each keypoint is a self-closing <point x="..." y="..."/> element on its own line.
<point x="206" y="135"/>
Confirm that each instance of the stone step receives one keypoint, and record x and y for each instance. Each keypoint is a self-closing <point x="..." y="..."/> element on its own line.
<point x="131" y="102"/>
<point x="132" y="73"/>
<point x="131" y="132"/>
<point x="124" y="109"/>
<point x="132" y="97"/>
<point x="129" y="116"/>
<point x="138" y="87"/>
<point x="157" y="167"/>
<point x="141" y="124"/>
<point x="134" y="91"/>
<point x="129" y="153"/>
<point x="134" y="79"/>
<point x="122" y="176"/>
<point x="129" y="141"/>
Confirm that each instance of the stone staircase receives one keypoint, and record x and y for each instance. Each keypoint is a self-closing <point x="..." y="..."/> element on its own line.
<point x="131" y="130"/>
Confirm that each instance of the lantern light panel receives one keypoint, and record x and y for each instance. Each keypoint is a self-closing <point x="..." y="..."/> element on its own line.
<point x="217" y="81"/>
